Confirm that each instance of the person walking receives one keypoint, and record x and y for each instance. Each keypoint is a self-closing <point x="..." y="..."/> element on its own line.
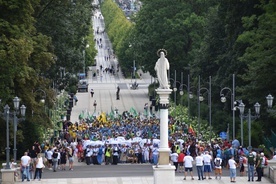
<point x="55" y="160"/>
<point x="49" y="157"/>
<point x="199" y="166"/>
<point x="174" y="159"/>
<point x="92" y="93"/>
<point x="259" y="170"/>
<point x="218" y="168"/>
<point x="25" y="166"/>
<point x="115" y="154"/>
<point x="108" y="154"/>
<point x="232" y="166"/>
<point x="71" y="158"/>
<point x="38" y="167"/>
<point x="207" y="164"/>
<point x="63" y="158"/>
<point x="155" y="154"/>
<point x="250" y="163"/>
<point x="180" y="162"/>
<point x="95" y="105"/>
<point x="188" y="163"/>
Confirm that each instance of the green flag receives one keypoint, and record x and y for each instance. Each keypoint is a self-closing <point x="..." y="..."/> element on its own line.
<point x="133" y="112"/>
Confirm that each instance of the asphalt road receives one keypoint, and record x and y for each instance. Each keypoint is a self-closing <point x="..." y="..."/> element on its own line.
<point x="121" y="170"/>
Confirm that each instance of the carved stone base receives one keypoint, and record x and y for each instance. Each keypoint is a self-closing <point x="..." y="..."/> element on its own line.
<point x="164" y="174"/>
<point x="164" y="156"/>
<point x="8" y="176"/>
<point x="163" y="96"/>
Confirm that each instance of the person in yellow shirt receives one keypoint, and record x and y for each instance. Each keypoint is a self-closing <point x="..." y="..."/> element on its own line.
<point x="108" y="153"/>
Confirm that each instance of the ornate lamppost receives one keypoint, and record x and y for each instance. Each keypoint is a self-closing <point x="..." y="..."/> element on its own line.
<point x="7" y="113"/>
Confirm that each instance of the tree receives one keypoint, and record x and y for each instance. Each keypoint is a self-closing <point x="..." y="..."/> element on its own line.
<point x="259" y="56"/>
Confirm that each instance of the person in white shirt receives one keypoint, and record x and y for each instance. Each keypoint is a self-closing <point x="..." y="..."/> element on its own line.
<point x="49" y="154"/>
<point x="25" y="166"/>
<point x="232" y="166"/>
<point x="207" y="164"/>
<point x="38" y="167"/>
<point x="174" y="159"/>
<point x="58" y="159"/>
<point x="188" y="164"/>
<point x="199" y="166"/>
<point x="155" y="154"/>
<point x="218" y="168"/>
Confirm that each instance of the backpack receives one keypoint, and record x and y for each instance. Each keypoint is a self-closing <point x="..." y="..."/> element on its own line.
<point x="264" y="162"/>
<point x="55" y="155"/>
<point x="251" y="159"/>
<point x="217" y="162"/>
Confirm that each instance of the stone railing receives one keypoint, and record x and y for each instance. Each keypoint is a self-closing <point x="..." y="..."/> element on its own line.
<point x="10" y="176"/>
<point x="271" y="170"/>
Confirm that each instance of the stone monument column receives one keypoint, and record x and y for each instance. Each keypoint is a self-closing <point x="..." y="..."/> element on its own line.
<point x="164" y="150"/>
<point x="164" y="172"/>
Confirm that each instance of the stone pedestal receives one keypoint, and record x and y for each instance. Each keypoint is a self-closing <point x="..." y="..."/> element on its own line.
<point x="164" y="174"/>
<point x="8" y="176"/>
<point x="164" y="156"/>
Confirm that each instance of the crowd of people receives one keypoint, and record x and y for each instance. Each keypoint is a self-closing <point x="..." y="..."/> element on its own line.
<point x="134" y="140"/>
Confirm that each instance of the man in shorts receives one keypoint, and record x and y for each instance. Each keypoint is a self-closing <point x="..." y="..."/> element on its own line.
<point x="217" y="164"/>
<point x="49" y="154"/>
<point x="232" y="166"/>
<point x="188" y="164"/>
<point x="207" y="158"/>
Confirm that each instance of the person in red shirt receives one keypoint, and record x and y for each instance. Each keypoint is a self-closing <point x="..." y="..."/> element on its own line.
<point x="180" y="161"/>
<point x="80" y="152"/>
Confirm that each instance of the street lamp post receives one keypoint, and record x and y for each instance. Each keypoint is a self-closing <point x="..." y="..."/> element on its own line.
<point x="7" y="115"/>
<point x="250" y="119"/>
<point x="200" y="99"/>
<point x="189" y="95"/>
<point x="43" y="97"/>
<point x="269" y="99"/>
<point x="223" y="100"/>
<point x="134" y="66"/>
<point x="198" y="104"/>
<point x="83" y="52"/>
<point x="174" y="87"/>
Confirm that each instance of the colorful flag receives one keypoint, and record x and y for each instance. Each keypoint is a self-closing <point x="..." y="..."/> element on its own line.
<point x="102" y="117"/>
<point x="133" y="112"/>
<point x="191" y="130"/>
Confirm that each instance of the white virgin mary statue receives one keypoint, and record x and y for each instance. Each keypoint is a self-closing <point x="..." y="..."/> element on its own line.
<point x="161" y="67"/>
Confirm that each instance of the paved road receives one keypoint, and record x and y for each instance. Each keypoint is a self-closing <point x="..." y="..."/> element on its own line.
<point x="105" y="84"/>
<point x="123" y="174"/>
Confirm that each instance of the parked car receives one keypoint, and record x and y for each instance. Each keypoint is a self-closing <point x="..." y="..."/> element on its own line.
<point x="83" y="85"/>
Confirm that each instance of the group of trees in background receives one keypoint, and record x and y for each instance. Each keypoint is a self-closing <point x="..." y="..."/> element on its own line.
<point x="205" y="38"/>
<point x="41" y="47"/>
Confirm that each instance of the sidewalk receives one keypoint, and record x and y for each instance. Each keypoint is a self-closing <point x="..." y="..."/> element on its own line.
<point x="141" y="180"/>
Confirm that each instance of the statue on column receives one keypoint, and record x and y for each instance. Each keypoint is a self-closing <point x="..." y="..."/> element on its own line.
<point x="161" y="67"/>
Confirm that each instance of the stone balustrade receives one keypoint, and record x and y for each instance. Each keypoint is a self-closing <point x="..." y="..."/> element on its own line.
<point x="271" y="170"/>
